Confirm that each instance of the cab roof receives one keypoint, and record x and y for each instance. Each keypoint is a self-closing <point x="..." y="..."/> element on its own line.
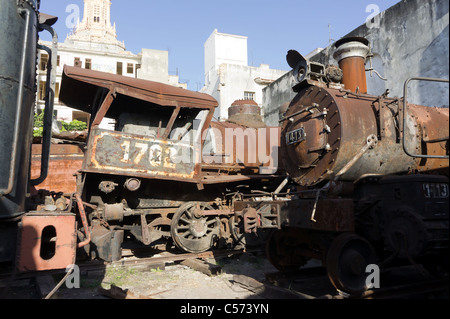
<point x="81" y="87"/>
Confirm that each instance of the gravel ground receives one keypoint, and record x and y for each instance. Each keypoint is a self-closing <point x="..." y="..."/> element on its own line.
<point x="176" y="281"/>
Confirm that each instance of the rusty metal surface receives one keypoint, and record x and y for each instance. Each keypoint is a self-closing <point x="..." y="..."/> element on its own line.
<point x="65" y="161"/>
<point x="347" y="120"/>
<point x="246" y="113"/>
<point x="33" y="255"/>
<point x="76" y="80"/>
<point x="354" y="81"/>
<point x="244" y="107"/>
<point x="334" y="215"/>
<point x="432" y="126"/>
<point x="246" y="147"/>
<point x="125" y="154"/>
<point x="351" y="54"/>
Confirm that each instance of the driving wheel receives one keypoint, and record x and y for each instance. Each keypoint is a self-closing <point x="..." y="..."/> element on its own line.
<point x="347" y="259"/>
<point x="191" y="230"/>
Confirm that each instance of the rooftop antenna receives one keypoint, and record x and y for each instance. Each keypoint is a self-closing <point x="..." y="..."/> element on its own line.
<point x="330" y="40"/>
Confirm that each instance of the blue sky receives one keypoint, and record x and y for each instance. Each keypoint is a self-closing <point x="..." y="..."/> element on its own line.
<point x="182" y="27"/>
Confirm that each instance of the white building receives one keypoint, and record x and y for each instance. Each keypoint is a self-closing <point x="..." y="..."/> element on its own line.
<point x="94" y="45"/>
<point x="227" y="75"/>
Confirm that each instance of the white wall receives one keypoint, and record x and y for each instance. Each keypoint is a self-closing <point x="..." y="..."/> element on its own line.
<point x="223" y="48"/>
<point x="237" y="79"/>
<point x="412" y="40"/>
<point x="227" y="74"/>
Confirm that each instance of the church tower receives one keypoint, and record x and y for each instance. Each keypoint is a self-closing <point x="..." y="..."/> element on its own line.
<point x="96" y="26"/>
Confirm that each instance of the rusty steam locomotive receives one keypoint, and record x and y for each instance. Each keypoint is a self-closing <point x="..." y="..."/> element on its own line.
<point x="372" y="175"/>
<point x="371" y="172"/>
<point x="164" y="172"/>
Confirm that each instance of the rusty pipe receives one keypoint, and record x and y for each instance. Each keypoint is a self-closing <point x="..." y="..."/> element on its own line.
<point x="84" y="221"/>
<point x="351" y="54"/>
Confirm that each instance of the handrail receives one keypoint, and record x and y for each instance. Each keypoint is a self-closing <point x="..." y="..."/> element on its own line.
<point x="405" y="106"/>
<point x="49" y="103"/>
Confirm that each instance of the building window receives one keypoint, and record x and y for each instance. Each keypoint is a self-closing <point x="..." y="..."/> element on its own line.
<point x="88" y="64"/>
<point x="138" y="66"/>
<point x="249" y="95"/>
<point x="130" y="68"/>
<point x="96" y="14"/>
<point x="77" y="63"/>
<point x="44" y="61"/>
<point x="119" y="68"/>
<point x="42" y="87"/>
<point x="58" y="60"/>
<point x="57" y="90"/>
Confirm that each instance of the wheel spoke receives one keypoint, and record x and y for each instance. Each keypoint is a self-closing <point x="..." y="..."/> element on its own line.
<point x="192" y="233"/>
<point x="184" y="220"/>
<point x="185" y="234"/>
<point x="189" y="213"/>
<point x="211" y="222"/>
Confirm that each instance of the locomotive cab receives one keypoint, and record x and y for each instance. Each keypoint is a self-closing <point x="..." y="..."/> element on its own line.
<point x="157" y="127"/>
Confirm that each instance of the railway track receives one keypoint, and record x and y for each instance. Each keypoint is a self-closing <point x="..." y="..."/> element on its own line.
<point x="437" y="288"/>
<point x="307" y="283"/>
<point x="130" y="259"/>
<point x="313" y="283"/>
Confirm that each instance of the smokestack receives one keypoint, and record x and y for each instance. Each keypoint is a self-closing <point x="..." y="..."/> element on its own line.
<point x="246" y="113"/>
<point x="351" y="54"/>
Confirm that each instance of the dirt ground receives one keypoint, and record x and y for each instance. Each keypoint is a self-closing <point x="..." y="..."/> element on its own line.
<point x="173" y="281"/>
<point x="176" y="281"/>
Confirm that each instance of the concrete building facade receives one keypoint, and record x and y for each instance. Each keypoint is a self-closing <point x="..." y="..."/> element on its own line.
<point x="410" y="39"/>
<point x="94" y="45"/>
<point x="228" y="77"/>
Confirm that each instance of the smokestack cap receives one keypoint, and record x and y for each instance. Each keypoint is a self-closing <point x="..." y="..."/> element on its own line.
<point x="351" y="47"/>
<point x="244" y="107"/>
<point x="246" y="113"/>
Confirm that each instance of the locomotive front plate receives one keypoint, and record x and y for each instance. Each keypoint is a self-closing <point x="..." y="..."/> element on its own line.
<point x="130" y="154"/>
<point x="296" y="136"/>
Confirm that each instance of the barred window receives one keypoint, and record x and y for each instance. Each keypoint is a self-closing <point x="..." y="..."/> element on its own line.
<point x="44" y="61"/>
<point x="119" y="68"/>
<point x="249" y="95"/>
<point x="130" y="68"/>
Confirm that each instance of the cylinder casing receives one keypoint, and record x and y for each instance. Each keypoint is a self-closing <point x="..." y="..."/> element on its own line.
<point x="13" y="29"/>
